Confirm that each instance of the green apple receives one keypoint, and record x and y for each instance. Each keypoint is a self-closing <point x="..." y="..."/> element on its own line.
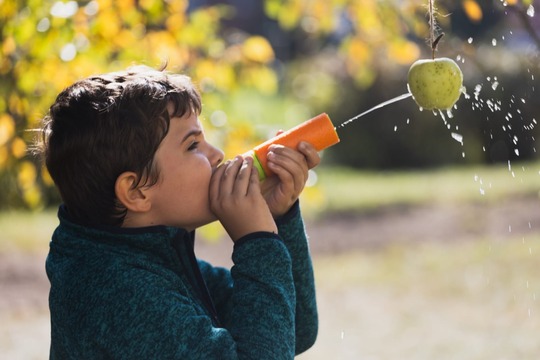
<point x="435" y="84"/>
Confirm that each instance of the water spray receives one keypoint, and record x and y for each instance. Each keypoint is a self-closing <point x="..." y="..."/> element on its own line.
<point x="318" y="131"/>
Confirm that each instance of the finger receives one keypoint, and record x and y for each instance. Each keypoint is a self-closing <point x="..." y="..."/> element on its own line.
<point x="241" y="183"/>
<point x="254" y="183"/>
<point x="312" y="156"/>
<point x="290" y="181"/>
<point x="215" y="181"/>
<point x="292" y="161"/>
<point x="286" y="155"/>
<point x="229" y="176"/>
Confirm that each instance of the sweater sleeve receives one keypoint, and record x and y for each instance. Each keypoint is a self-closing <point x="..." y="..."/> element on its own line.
<point x="244" y="284"/>
<point x="260" y="301"/>
<point x="260" y="322"/>
<point x="291" y="229"/>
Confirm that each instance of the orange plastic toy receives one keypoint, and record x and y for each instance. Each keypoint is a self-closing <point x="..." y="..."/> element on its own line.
<point x="318" y="131"/>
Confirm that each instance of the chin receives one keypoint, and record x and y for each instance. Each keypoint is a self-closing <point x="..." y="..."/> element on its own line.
<point x="195" y="225"/>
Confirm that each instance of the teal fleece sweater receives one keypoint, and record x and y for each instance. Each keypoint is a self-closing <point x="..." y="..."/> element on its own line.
<point x="141" y="293"/>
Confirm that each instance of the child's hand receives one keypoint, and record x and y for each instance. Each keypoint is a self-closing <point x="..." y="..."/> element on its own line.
<point x="291" y="173"/>
<point x="236" y="199"/>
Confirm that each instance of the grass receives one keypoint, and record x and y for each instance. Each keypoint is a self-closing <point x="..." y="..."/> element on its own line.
<point x="352" y="190"/>
<point x="26" y="231"/>
<point x="465" y="300"/>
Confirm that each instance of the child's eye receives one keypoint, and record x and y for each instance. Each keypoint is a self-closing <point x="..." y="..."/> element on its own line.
<point x="193" y="146"/>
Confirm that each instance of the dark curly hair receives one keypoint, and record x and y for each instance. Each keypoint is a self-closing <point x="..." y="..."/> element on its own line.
<point x="105" y="125"/>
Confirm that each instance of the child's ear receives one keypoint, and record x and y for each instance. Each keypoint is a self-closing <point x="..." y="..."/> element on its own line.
<point x="132" y="197"/>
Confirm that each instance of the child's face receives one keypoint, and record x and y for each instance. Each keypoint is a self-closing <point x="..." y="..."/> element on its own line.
<point x="186" y="163"/>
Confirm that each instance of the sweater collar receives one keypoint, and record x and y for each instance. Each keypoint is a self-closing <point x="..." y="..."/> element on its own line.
<point x="143" y="237"/>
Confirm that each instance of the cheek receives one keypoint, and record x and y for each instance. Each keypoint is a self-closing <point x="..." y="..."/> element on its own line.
<point x="198" y="177"/>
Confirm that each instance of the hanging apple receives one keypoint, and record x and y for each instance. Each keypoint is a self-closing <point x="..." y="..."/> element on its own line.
<point x="435" y="83"/>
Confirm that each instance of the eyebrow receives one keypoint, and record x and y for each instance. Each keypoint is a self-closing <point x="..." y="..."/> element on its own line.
<point x="192" y="133"/>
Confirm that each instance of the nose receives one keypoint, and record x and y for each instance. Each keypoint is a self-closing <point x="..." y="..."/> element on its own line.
<point x="215" y="155"/>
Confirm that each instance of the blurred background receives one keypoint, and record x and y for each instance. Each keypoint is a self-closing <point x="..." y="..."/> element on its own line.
<point x="424" y="226"/>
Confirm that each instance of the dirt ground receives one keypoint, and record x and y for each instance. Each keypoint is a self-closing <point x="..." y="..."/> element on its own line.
<point x="24" y="322"/>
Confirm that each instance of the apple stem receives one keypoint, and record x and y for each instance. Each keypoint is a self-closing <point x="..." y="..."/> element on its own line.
<point x="434" y="45"/>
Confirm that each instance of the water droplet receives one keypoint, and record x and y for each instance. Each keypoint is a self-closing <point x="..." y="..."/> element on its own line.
<point x="457" y="137"/>
<point x="477" y="90"/>
<point x="470" y="40"/>
<point x="530" y="11"/>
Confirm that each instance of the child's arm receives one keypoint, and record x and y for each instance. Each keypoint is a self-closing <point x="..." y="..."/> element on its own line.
<point x="261" y="309"/>
<point x="291" y="229"/>
<point x="281" y="192"/>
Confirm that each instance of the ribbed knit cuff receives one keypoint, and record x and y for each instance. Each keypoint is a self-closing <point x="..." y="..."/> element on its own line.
<point x="289" y="215"/>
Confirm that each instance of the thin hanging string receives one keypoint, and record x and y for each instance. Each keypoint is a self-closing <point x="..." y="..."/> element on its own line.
<point x="432" y="27"/>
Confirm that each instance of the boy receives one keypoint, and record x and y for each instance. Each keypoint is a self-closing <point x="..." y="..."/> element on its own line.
<point x="137" y="177"/>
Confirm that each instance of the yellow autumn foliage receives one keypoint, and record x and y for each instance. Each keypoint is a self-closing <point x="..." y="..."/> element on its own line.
<point x="7" y="128"/>
<point x="258" y="49"/>
<point x="18" y="148"/>
<point x="473" y="10"/>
